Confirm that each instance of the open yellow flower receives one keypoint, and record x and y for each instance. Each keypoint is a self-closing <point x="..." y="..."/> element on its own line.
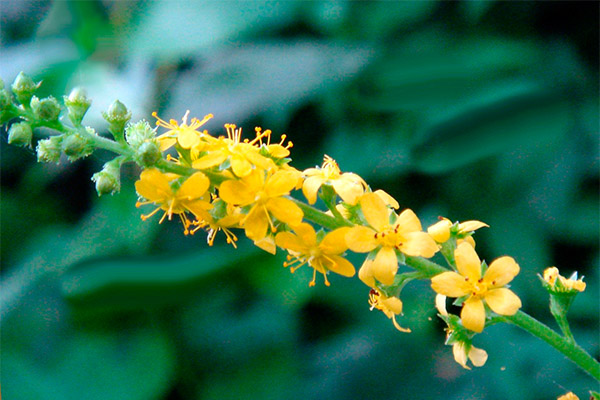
<point x="243" y="155"/>
<point x="213" y="225"/>
<point x="186" y="135"/>
<point x="263" y="192"/>
<point x="323" y="256"/>
<point x="348" y="186"/>
<point x="390" y="306"/>
<point x="156" y="188"/>
<point x="404" y="234"/>
<point x="489" y="288"/>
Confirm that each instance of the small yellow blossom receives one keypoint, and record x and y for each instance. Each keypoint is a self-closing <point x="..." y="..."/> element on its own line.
<point x="277" y="150"/>
<point x="242" y="154"/>
<point x="461" y="350"/>
<point x="440" y="231"/>
<point x="156" y="188"/>
<point x="323" y="256"/>
<point x="212" y="225"/>
<point x="186" y="135"/>
<point x="469" y="282"/>
<point x="263" y="192"/>
<point x="390" y="306"/>
<point x="348" y="186"/>
<point x="552" y="275"/>
<point x="568" y="396"/>
<point x="404" y="234"/>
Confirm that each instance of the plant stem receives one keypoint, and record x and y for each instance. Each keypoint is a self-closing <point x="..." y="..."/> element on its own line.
<point x="570" y="349"/>
<point x="428" y="268"/>
<point x="319" y="217"/>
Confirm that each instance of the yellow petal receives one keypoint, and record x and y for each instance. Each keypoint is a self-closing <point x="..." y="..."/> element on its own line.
<point x="360" y="239"/>
<point x="385" y="265"/>
<point x="278" y="151"/>
<point x="267" y="244"/>
<point x="335" y="241"/>
<point x="236" y="192"/>
<point x="341" y="266"/>
<point x="467" y="261"/>
<point x="393" y="304"/>
<point x="306" y="233"/>
<point x="418" y="244"/>
<point x="477" y="356"/>
<point x="194" y="186"/>
<point x="440" y="231"/>
<point x="166" y="142"/>
<point x="450" y="284"/>
<point x="209" y="160"/>
<point x="440" y="304"/>
<point x="198" y="208"/>
<point x="285" y="210"/>
<point x="240" y="166"/>
<point x="348" y="190"/>
<point x="365" y="273"/>
<point x="387" y="199"/>
<point x="188" y="138"/>
<point x="407" y="222"/>
<point x="310" y="187"/>
<point x="281" y="183"/>
<point x="289" y="241"/>
<point x="502" y="301"/>
<point x="256" y="224"/>
<point x="473" y="314"/>
<point x="460" y="355"/>
<point x="501" y="271"/>
<point x="375" y="211"/>
<point x="470" y="226"/>
<point x="153" y="185"/>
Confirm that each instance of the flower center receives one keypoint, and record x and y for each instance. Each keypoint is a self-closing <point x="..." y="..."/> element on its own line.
<point x="261" y="197"/>
<point x="478" y="288"/>
<point x="389" y="237"/>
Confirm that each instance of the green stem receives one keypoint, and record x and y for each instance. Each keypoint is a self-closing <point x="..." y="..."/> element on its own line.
<point x="568" y="348"/>
<point x="319" y="217"/>
<point x="428" y="268"/>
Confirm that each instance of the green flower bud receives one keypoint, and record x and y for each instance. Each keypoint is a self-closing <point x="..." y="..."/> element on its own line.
<point x="148" y="154"/>
<point x="117" y="116"/>
<point x="138" y="133"/>
<point x="46" y="109"/>
<point x="48" y="150"/>
<point x="108" y="181"/>
<point x="20" y="134"/>
<point x="24" y="87"/>
<point x="77" y="103"/>
<point x="76" y="146"/>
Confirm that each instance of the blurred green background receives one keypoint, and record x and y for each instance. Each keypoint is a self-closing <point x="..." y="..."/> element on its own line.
<point x="471" y="110"/>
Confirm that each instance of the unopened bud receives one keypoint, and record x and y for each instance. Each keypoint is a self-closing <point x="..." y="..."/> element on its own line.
<point x="24" y="87"/>
<point x="138" y="133"/>
<point x="117" y="116"/>
<point x="76" y="146"/>
<point x="108" y="181"/>
<point x="46" y="109"/>
<point x="77" y="103"/>
<point x="48" y="150"/>
<point x="148" y="154"/>
<point x="20" y="134"/>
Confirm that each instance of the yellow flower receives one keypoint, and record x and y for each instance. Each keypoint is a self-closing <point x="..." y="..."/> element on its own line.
<point x="348" y="186"/>
<point x="441" y="230"/>
<point x="274" y="150"/>
<point x="390" y="306"/>
<point x="156" y="188"/>
<point x="404" y="234"/>
<point x="461" y="350"/>
<point x="243" y="155"/>
<point x="263" y="192"/>
<point x="186" y="135"/>
<point x="568" y="396"/>
<point x="212" y="225"/>
<point x="561" y="284"/>
<point x="468" y="282"/>
<point x="323" y="256"/>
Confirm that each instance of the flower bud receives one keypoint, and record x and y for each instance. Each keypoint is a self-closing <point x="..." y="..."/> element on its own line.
<point x="76" y="146"/>
<point x="108" y="181"/>
<point x="148" y="154"/>
<point x="138" y="133"/>
<point x="77" y="103"/>
<point x="48" y="150"/>
<point x="24" y="87"/>
<point x="117" y="116"/>
<point x="46" y="109"/>
<point x="20" y="134"/>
